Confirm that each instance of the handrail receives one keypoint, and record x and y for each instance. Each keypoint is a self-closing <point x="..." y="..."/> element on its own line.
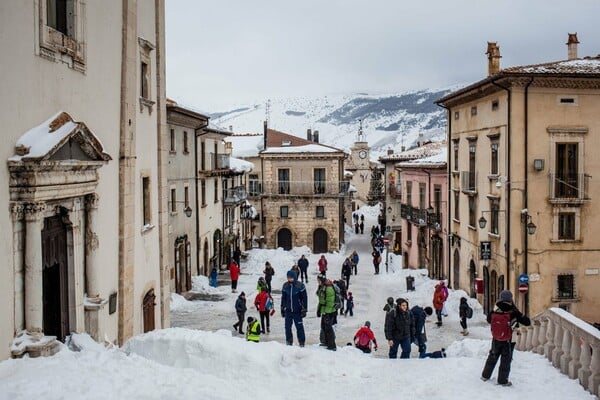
<point x="572" y="345"/>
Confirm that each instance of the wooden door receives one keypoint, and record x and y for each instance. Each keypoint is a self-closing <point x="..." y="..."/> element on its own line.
<point x="320" y="240"/>
<point x="148" y="307"/>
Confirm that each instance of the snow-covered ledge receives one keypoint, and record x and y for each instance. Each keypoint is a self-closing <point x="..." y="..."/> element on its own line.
<point x="33" y="345"/>
<point x="570" y="344"/>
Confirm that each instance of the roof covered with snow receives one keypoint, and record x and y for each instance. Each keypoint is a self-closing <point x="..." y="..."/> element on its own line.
<point x="239" y="165"/>
<point x="430" y="149"/>
<point x="281" y="142"/>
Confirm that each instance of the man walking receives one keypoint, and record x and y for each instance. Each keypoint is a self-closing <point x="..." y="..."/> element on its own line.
<point x="303" y="265"/>
<point x="326" y="310"/>
<point x="294" y="304"/>
<point x="399" y="329"/>
<point x="420" y="315"/>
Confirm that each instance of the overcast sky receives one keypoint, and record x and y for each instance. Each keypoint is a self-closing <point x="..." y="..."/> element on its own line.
<point x="231" y="52"/>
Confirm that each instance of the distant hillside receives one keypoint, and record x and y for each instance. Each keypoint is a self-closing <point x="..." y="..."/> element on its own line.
<point x="389" y="121"/>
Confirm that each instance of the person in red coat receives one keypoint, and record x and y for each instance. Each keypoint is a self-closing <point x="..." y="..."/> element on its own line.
<point x="234" y="274"/>
<point x="260" y="302"/>
<point x="363" y="338"/>
<point x="439" y="297"/>
<point x="322" y="264"/>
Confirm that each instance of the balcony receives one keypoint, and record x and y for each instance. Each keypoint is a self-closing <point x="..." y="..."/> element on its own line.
<point x="468" y="182"/>
<point x="235" y="195"/>
<point x="215" y="164"/>
<point x="306" y="188"/>
<point x="434" y="220"/>
<point x="569" y="188"/>
<point x="395" y="191"/>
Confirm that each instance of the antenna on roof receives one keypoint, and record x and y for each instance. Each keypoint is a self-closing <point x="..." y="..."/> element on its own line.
<point x="360" y="137"/>
<point x="268" y="112"/>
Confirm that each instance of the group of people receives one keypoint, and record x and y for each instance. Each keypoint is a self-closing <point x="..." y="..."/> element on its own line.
<point x="358" y="226"/>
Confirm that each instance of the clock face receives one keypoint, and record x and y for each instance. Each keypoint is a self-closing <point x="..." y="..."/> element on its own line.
<point x="362" y="154"/>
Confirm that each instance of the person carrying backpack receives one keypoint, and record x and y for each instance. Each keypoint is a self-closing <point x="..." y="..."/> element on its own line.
<point x="502" y="319"/>
<point x="294" y="304"/>
<point x="347" y="271"/>
<point x="389" y="305"/>
<point x="420" y="315"/>
<point x="363" y="338"/>
<point x="343" y="293"/>
<point x="354" y="259"/>
<point x="264" y="303"/>
<point x="400" y="329"/>
<point x="253" y="330"/>
<point x="438" y="302"/>
<point x="326" y="310"/>
<point x="269" y="272"/>
<point x="464" y="312"/>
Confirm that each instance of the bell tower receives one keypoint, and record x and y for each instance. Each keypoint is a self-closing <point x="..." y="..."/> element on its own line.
<point x="360" y="151"/>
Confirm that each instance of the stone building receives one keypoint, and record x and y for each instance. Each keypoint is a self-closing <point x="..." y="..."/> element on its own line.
<point x="522" y="209"/>
<point x="361" y="168"/>
<point x="83" y="221"/>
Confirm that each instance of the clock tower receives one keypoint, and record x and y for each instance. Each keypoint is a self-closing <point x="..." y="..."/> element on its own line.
<point x="359" y="164"/>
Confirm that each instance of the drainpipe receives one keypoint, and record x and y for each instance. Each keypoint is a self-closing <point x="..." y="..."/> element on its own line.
<point x="525" y="174"/>
<point x="508" y="136"/>
<point x="449" y="189"/>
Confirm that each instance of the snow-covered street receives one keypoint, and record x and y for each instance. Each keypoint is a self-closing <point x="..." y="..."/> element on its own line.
<point x="202" y="357"/>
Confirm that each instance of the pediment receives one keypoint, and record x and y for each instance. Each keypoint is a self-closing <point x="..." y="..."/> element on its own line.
<point x="59" y="138"/>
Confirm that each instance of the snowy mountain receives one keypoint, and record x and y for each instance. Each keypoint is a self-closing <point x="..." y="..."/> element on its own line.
<point x="389" y="121"/>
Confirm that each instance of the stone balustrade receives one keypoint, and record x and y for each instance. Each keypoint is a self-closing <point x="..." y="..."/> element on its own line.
<point x="570" y="344"/>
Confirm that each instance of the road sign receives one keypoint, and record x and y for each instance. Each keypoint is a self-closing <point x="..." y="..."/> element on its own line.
<point x="485" y="250"/>
<point x="386" y="241"/>
<point x="523" y="288"/>
<point x="523" y="278"/>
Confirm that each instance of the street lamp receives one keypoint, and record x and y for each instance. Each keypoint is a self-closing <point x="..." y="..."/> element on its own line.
<point x="526" y="219"/>
<point x="187" y="210"/>
<point x="482" y="221"/>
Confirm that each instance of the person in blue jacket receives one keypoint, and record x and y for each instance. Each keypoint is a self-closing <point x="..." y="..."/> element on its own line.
<point x="303" y="265"/>
<point x="294" y="303"/>
<point x="419" y="315"/>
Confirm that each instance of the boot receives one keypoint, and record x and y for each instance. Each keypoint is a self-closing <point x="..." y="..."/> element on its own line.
<point x="465" y="332"/>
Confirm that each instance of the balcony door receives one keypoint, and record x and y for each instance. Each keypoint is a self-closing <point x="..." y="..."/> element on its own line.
<point x="567" y="183"/>
<point x="283" y="180"/>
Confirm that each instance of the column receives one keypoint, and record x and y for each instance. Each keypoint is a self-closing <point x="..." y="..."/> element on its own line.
<point x="93" y="263"/>
<point x="34" y="303"/>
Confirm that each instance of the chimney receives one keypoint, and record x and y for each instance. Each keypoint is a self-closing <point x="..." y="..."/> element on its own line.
<point x="316" y="137"/>
<point x="309" y="135"/>
<point x="390" y="152"/>
<point x="230" y="128"/>
<point x="572" y="46"/>
<point x="420" y="140"/>
<point x="264" y="135"/>
<point x="493" y="53"/>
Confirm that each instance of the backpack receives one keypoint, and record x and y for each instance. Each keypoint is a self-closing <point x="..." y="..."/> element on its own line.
<point x="469" y="312"/>
<point x="269" y="304"/>
<point x="500" y="326"/>
<point x="337" y="304"/>
<point x="364" y="339"/>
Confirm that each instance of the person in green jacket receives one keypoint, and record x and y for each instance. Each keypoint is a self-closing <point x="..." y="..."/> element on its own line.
<point x="253" y="330"/>
<point x="326" y="310"/>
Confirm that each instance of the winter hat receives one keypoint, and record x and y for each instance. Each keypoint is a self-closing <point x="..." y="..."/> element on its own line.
<point x="390" y="300"/>
<point x="400" y="300"/>
<point x="250" y="320"/>
<point x="321" y="277"/>
<point x="292" y="274"/>
<point x="428" y="310"/>
<point x="242" y="294"/>
<point x="368" y="324"/>
<point x="506" y="296"/>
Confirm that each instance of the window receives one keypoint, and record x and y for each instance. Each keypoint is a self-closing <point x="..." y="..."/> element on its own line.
<point x="437" y="198"/>
<point x="173" y="148"/>
<point x="61" y="32"/>
<point x="473" y="111"/>
<point x="472" y="210"/>
<point x="566" y="226"/>
<point x="145" y="75"/>
<point x="494" y="212"/>
<point x="203" y="156"/>
<point x="320" y="212"/>
<point x="422" y="196"/>
<point x="203" y="191"/>
<point x="145" y="80"/>
<point x="186" y="148"/>
<point x="253" y="185"/>
<point x="146" y="206"/>
<point x="472" y="149"/>
<point x="186" y="196"/>
<point x="409" y="193"/>
<point x="319" y="180"/>
<point x="283" y="211"/>
<point x="456" y="115"/>
<point x="566" y="286"/>
<point x="495" y="105"/>
<point x="455" y="150"/>
<point x="216" y="187"/>
<point x="494" y="157"/>
<point x="283" y="181"/>
<point x="456" y="205"/>
<point x="409" y="232"/>
<point x="567" y="177"/>
<point x="173" y="200"/>
<point x="567" y="101"/>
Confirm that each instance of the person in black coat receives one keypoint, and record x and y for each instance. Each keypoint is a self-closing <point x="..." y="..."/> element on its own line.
<point x="400" y="329"/>
<point x="503" y="349"/>
<point x="420" y="315"/>
<point x="463" y="313"/>
<point x="347" y="271"/>
<point x="240" y="310"/>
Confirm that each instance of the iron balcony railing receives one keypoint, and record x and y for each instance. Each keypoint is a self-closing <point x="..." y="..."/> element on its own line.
<point x="306" y="188"/>
<point x="235" y="195"/>
<point x="215" y="162"/>
<point x="569" y="187"/>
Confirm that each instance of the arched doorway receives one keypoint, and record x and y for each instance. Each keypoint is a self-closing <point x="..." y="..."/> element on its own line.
<point x="284" y="239"/>
<point x="205" y="259"/>
<point x="320" y="240"/>
<point x="183" y="267"/>
<point x="456" y="270"/>
<point x="55" y="278"/>
<point x="148" y="310"/>
<point x="437" y="255"/>
<point x="472" y="276"/>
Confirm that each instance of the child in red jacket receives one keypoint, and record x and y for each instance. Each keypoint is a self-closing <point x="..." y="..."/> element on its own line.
<point x="363" y="338"/>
